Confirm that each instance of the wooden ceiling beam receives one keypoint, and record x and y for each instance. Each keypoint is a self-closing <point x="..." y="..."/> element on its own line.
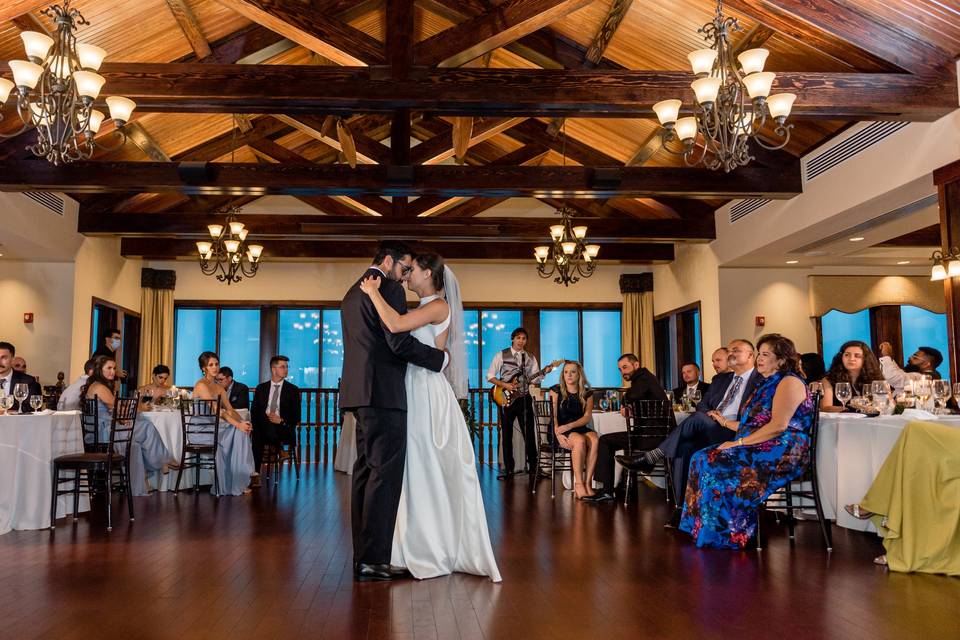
<point x="369" y="151"/>
<point x="291" y="89"/>
<point x="190" y="27"/>
<point x="440" y="147"/>
<point x="491" y="30"/>
<point x="11" y="9"/>
<point x="450" y="181"/>
<point x="315" y="30"/>
<point x="166" y="248"/>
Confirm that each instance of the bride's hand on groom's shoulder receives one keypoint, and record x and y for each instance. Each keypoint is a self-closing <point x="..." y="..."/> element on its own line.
<point x="370" y="284"/>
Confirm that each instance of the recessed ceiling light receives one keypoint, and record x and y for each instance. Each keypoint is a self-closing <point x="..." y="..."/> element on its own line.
<point x="792" y="261"/>
<point x="904" y="262"/>
<point x="856" y="239"/>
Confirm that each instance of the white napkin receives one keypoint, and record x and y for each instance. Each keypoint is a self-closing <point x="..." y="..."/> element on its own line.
<point x="918" y="414"/>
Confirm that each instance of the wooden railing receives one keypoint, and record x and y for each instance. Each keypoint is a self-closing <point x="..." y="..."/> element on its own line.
<point x="320" y="423"/>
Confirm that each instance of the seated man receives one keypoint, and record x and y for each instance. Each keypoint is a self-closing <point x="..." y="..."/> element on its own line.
<point x="719" y="359"/>
<point x="9" y="378"/>
<point x="275" y="413"/>
<point x="70" y="398"/>
<point x="643" y="386"/>
<point x="237" y="392"/>
<point x="922" y="363"/>
<point x="690" y="381"/>
<point x="721" y="405"/>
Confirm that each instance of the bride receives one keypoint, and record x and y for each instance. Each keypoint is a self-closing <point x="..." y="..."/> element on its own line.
<point x="441" y="523"/>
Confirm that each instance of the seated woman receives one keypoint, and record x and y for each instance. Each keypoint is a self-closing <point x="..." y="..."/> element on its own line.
<point x="915" y="501"/>
<point x="728" y="482"/>
<point x="147" y="452"/>
<point x="854" y="363"/>
<point x="158" y="387"/>
<point x="235" y="449"/>
<point x="572" y="413"/>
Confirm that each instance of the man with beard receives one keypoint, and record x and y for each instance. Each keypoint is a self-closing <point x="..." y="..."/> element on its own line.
<point x="923" y="362"/>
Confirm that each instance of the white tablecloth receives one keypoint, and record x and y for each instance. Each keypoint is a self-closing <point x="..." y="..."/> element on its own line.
<point x="28" y="445"/>
<point x="851" y="450"/>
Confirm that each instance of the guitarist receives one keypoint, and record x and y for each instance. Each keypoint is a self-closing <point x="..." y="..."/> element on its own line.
<point x="507" y="365"/>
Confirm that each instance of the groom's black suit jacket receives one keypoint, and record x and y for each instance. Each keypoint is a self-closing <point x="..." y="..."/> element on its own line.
<point x="375" y="360"/>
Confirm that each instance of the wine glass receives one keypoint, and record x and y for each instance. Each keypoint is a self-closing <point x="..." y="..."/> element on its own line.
<point x="669" y="397"/>
<point x="844" y="393"/>
<point x="6" y="402"/>
<point x="880" y="390"/>
<point x="21" y="391"/>
<point x="941" y="393"/>
<point x="694" y="397"/>
<point x="956" y="391"/>
<point x="816" y="388"/>
<point x="36" y="402"/>
<point x="923" y="390"/>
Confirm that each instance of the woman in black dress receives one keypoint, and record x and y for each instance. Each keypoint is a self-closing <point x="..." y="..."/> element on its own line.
<point x="572" y="413"/>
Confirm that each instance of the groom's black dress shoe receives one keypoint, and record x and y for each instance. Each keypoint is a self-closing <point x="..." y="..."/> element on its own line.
<point x="636" y="462"/>
<point x="372" y="572"/>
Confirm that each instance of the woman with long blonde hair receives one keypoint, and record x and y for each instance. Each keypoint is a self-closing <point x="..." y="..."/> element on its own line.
<point x="572" y="413"/>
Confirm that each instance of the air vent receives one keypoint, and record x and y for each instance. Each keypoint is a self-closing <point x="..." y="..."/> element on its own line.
<point x="743" y="208"/>
<point x="870" y="135"/>
<point x="47" y="199"/>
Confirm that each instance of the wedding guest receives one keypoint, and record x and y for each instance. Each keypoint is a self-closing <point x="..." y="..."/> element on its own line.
<point x="238" y="392"/>
<point x="728" y="482"/>
<point x="572" y="413"/>
<point x="719" y="361"/>
<point x="923" y="362"/>
<point x="275" y="413"/>
<point x="855" y="364"/>
<point x="914" y="503"/>
<point x="506" y="367"/>
<point x="70" y="398"/>
<point x="10" y="378"/>
<point x="109" y="347"/>
<point x="643" y="386"/>
<point x="812" y="368"/>
<point x="158" y="387"/>
<point x="234" y="448"/>
<point x="715" y="420"/>
<point x="690" y="381"/>
<point x="147" y="453"/>
<point x="19" y="364"/>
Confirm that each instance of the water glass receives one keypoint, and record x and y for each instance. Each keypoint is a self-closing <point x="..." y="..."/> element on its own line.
<point x="694" y="397"/>
<point x="844" y="393"/>
<point x="880" y="390"/>
<point x="21" y="391"/>
<point x="816" y="388"/>
<point x="36" y="402"/>
<point x="6" y="402"/>
<point x="941" y="393"/>
<point x="923" y="390"/>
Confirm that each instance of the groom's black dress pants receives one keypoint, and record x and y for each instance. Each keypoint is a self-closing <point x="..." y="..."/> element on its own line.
<point x="520" y="410"/>
<point x="377" y="481"/>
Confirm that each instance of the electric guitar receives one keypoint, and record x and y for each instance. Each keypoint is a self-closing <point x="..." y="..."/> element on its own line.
<point x="505" y="398"/>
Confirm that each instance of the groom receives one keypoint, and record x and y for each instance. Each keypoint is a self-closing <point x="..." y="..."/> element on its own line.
<point x="372" y="385"/>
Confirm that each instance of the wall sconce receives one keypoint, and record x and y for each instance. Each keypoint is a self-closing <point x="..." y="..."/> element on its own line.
<point x="945" y="265"/>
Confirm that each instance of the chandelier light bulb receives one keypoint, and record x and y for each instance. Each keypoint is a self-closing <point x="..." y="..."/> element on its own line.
<point x="215" y="230"/>
<point x="702" y="60"/>
<point x="120" y="109"/>
<point x="707" y="89"/>
<point x="569" y="247"/>
<point x="580" y="232"/>
<point x="39" y="116"/>
<point x="780" y="104"/>
<point x="938" y="273"/>
<point x="60" y="67"/>
<point x="26" y="74"/>
<point x="88" y="83"/>
<point x="953" y="268"/>
<point x="231" y="245"/>
<point x="90" y="56"/>
<point x="592" y="250"/>
<point x="96" y="118"/>
<point x="758" y="84"/>
<point x="667" y="111"/>
<point x="243" y="234"/>
<point x="204" y="248"/>
<point x="36" y="44"/>
<point x="236" y="227"/>
<point x="686" y="128"/>
<point x="556" y="232"/>
<point x="6" y="87"/>
<point x="255" y="250"/>
<point x="541" y="253"/>
<point x="752" y="60"/>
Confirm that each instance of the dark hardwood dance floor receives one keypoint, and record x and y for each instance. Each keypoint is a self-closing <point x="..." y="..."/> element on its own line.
<point x="278" y="565"/>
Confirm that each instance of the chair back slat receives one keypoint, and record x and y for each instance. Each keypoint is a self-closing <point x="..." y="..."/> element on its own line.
<point x="199" y="420"/>
<point x="543" y="417"/>
<point x="90" y="426"/>
<point x="648" y="422"/>
<point x="121" y="425"/>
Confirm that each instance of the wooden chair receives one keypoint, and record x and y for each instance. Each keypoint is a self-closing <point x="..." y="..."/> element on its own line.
<point x="648" y="423"/>
<point x="199" y="420"/>
<point x="802" y="493"/>
<point x="274" y="456"/>
<point x="551" y="457"/>
<point x="94" y="469"/>
<point x="89" y="426"/>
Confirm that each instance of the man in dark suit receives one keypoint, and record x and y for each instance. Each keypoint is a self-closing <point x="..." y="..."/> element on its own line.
<point x="275" y="413"/>
<point x="372" y="385"/>
<point x="110" y="347"/>
<point x="10" y="378"/>
<point x="716" y="420"/>
<point x="643" y="386"/>
<point x="237" y="392"/>
<point x="690" y="380"/>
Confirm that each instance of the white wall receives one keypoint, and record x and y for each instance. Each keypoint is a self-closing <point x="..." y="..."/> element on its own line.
<point x="780" y="295"/>
<point x="691" y="277"/>
<point x="46" y="290"/>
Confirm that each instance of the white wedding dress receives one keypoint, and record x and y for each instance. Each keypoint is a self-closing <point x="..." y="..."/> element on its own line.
<point x="441" y="523"/>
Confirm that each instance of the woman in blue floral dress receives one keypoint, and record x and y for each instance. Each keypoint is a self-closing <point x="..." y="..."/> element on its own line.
<point x="772" y="447"/>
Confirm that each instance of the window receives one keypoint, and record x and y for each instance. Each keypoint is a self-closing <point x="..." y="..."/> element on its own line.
<point x="677" y="340"/>
<point x="239" y="346"/>
<point x="332" y="348"/>
<point x="601" y="348"/>
<point x="299" y="340"/>
<point x="559" y="340"/>
<point x="496" y="325"/>
<point x="471" y="340"/>
<point x="195" y="332"/>
<point x="838" y="327"/>
<point x="922" y="328"/>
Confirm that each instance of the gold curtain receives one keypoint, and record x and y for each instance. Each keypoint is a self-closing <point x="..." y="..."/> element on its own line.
<point x="156" y="331"/>
<point x="636" y="325"/>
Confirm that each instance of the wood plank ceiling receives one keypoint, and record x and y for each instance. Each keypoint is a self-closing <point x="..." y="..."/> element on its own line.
<point x="286" y="96"/>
